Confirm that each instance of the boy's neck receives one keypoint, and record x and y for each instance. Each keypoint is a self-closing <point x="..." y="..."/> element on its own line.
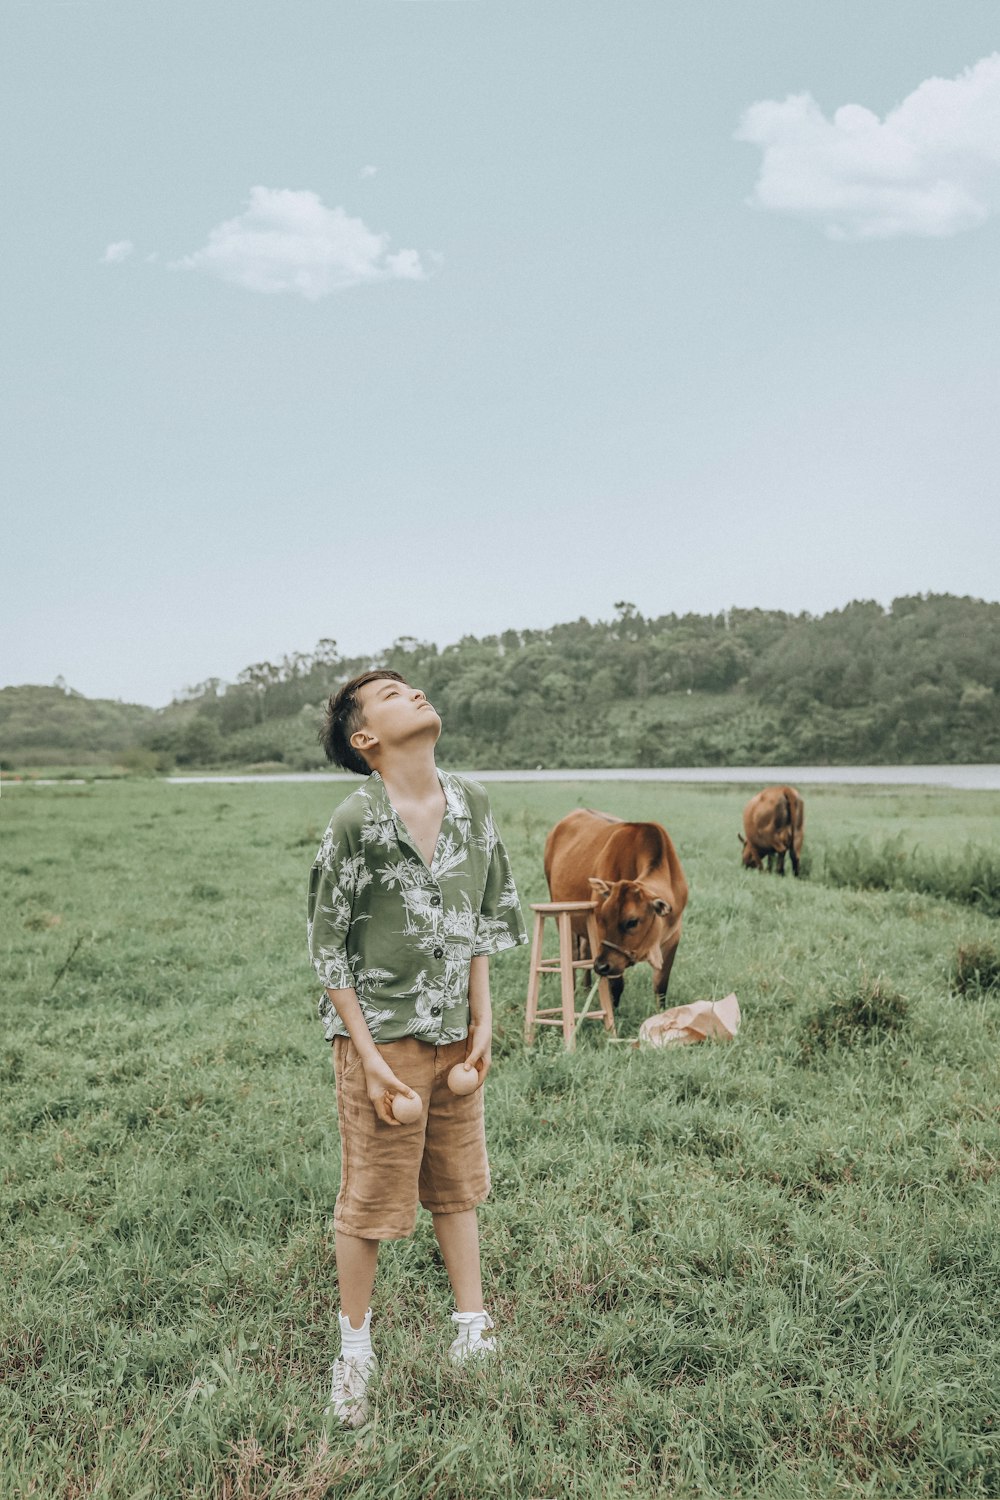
<point x="410" y="776"/>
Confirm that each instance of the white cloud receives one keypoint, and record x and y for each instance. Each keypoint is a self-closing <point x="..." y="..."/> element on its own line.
<point x="288" y="241"/>
<point x="367" y="172"/>
<point x="931" y="167"/>
<point x="116" y="252"/>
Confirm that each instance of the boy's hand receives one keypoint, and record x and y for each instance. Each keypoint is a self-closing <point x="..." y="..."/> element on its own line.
<point x="479" y="1046"/>
<point x="382" y="1085"/>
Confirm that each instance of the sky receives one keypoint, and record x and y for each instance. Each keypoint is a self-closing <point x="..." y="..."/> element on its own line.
<point x="444" y="317"/>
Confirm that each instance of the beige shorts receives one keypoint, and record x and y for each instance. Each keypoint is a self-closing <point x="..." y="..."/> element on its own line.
<point x="384" y="1169"/>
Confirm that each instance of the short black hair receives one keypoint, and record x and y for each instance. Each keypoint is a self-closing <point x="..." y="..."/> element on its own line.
<point x="343" y="716"/>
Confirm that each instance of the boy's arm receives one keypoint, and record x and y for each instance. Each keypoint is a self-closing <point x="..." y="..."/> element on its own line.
<point x="381" y="1080"/>
<point x="345" y="1003"/>
<point x="500" y="924"/>
<point x="329" y="912"/>
<point x="480" y="1016"/>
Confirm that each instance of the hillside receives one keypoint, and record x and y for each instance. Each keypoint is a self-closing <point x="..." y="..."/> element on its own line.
<point x="917" y="682"/>
<point x="55" y="725"/>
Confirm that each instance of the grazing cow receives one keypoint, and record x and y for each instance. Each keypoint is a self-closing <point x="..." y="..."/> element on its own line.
<point x="773" y="821"/>
<point x="633" y="872"/>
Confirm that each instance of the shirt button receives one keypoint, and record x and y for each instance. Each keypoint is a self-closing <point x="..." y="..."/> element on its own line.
<point x="436" y="1010"/>
<point x="435" y="899"/>
<point x="439" y="953"/>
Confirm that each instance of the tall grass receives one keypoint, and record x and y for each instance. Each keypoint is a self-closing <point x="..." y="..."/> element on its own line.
<point x="977" y="970"/>
<point x="754" y="1269"/>
<point x="859" y="1015"/>
<point x="970" y="876"/>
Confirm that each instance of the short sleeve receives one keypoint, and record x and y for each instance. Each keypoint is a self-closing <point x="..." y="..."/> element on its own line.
<point x="500" y="922"/>
<point x="330" y="901"/>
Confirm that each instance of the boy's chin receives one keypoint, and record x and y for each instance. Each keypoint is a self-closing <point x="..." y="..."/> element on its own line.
<point x="430" y="729"/>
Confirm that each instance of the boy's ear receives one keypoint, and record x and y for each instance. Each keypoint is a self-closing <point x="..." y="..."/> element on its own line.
<point x="363" y="739"/>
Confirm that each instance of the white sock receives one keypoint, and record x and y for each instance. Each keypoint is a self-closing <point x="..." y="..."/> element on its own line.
<point x="355" y="1343"/>
<point x="472" y="1325"/>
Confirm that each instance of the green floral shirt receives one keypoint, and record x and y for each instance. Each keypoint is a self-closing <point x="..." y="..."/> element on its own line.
<point x="403" y="934"/>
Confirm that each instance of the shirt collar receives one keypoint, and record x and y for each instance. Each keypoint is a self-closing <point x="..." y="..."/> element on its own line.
<point x="457" y="808"/>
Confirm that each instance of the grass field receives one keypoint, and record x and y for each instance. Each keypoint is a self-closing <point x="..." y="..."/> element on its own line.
<point x="766" y="1268"/>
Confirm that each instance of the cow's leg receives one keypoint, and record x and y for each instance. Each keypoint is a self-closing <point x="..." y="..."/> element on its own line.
<point x="661" y="976"/>
<point x="770" y="862"/>
<point x="781" y="861"/>
<point x="581" y="949"/>
<point x="617" y="985"/>
<point x="795" y="860"/>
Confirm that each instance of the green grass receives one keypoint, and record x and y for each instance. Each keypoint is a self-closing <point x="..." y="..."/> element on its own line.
<point x="970" y="875"/>
<point x="977" y="969"/>
<point x="767" y="1268"/>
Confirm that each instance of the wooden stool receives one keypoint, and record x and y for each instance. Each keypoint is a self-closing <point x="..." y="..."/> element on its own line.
<point x="564" y="1015"/>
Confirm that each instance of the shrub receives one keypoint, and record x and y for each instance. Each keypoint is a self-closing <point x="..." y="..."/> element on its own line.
<point x="971" y="877"/>
<point x="977" y="969"/>
<point x="139" y="761"/>
<point x="867" y="866"/>
<point x="200" y="743"/>
<point x="856" y="1017"/>
<point x="308" y="760"/>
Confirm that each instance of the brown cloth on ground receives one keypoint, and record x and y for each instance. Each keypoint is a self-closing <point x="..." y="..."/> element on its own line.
<point x="692" y="1023"/>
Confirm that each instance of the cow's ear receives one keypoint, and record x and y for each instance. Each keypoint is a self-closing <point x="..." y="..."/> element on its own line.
<point x="661" y="907"/>
<point x="600" y="886"/>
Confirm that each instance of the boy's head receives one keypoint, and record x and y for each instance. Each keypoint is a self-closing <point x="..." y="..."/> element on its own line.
<point x="372" y="713"/>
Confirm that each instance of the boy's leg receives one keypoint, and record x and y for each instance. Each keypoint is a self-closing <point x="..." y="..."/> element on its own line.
<point x="458" y="1236"/>
<point x="454" y="1179"/>
<point x="356" y="1262"/>
<point x="351" y="1370"/>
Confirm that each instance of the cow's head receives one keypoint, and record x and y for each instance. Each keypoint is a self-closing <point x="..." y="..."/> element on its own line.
<point x="630" y="925"/>
<point x="751" y="855"/>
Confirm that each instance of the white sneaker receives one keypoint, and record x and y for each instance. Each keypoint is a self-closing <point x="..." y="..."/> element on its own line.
<point x="470" y="1341"/>
<point x="349" y="1390"/>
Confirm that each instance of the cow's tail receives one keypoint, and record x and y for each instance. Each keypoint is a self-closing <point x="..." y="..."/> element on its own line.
<point x="789" y="806"/>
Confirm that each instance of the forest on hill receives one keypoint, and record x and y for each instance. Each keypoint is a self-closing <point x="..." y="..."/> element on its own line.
<point x="57" y="725"/>
<point x="918" y="681"/>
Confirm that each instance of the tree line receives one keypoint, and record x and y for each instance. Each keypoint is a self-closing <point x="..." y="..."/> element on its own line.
<point x="917" y="681"/>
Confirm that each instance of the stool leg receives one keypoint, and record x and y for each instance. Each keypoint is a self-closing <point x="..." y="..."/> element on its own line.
<point x="603" y="987"/>
<point x="534" y="980"/>
<point x="566" y="977"/>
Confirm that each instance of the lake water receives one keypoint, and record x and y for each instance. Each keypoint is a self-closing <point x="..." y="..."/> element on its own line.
<point x="958" y="778"/>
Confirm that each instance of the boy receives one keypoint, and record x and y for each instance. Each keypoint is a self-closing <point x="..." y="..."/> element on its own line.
<point x="409" y="894"/>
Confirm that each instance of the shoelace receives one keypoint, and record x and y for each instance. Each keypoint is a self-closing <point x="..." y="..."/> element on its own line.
<point x="349" y="1380"/>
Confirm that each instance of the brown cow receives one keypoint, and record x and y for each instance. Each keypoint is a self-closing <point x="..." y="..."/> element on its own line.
<point x="633" y="871"/>
<point x="773" y="822"/>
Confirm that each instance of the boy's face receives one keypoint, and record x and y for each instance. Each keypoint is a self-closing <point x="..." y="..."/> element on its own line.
<point x="395" y="714"/>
